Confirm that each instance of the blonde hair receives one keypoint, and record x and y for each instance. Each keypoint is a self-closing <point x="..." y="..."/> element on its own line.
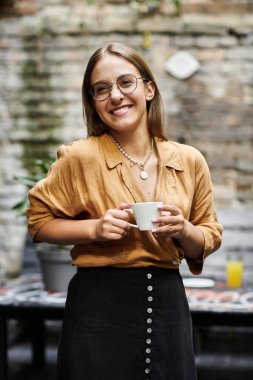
<point x="95" y="125"/>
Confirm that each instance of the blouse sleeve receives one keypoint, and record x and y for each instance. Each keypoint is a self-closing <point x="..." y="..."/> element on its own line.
<point x="203" y="214"/>
<point x="56" y="196"/>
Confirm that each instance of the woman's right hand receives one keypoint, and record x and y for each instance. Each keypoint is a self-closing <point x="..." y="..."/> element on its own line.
<point x="112" y="226"/>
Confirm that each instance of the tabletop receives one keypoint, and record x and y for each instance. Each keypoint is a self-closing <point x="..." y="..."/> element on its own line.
<point x="202" y="294"/>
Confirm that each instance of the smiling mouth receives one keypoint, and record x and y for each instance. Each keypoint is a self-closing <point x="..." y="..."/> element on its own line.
<point x="121" y="110"/>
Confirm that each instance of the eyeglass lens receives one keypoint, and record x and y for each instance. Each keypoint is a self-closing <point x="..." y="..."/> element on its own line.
<point x="126" y="84"/>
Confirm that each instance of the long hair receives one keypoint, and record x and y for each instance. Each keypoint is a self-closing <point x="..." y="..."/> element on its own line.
<point x="95" y="125"/>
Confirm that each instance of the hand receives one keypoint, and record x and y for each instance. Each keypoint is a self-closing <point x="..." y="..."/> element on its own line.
<point x="127" y="207"/>
<point x="113" y="225"/>
<point x="171" y="222"/>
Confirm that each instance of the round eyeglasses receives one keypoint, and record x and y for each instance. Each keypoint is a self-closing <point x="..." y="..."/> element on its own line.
<point x="126" y="84"/>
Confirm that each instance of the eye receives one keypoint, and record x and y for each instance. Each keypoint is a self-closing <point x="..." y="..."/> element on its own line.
<point x="126" y="81"/>
<point x="100" y="88"/>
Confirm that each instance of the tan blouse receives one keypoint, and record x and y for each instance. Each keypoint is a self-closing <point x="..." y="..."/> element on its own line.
<point x="91" y="176"/>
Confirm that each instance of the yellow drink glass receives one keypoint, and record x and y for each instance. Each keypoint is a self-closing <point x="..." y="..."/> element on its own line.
<point x="234" y="273"/>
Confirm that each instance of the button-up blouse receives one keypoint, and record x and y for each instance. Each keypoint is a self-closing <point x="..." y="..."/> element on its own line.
<point x="91" y="176"/>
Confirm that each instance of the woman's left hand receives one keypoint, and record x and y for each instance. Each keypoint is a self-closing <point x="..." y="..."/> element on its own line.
<point x="171" y="222"/>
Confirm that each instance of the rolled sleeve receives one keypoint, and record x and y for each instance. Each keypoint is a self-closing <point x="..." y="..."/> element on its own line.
<point x="54" y="196"/>
<point x="203" y="214"/>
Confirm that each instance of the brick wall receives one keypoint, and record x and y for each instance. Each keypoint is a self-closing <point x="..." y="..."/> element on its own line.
<point x="217" y="6"/>
<point x="44" y="47"/>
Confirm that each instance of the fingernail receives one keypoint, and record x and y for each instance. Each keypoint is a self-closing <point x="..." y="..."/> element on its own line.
<point x="154" y="220"/>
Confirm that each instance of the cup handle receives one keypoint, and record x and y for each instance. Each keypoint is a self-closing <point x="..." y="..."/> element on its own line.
<point x="131" y="211"/>
<point x="133" y="225"/>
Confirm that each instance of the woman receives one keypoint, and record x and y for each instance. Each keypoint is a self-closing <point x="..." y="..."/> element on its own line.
<point x="126" y="314"/>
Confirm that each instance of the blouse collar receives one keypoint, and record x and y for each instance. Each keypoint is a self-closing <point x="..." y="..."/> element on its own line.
<point x="168" y="153"/>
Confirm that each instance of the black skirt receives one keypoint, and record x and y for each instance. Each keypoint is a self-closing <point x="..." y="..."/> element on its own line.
<point x="126" y="324"/>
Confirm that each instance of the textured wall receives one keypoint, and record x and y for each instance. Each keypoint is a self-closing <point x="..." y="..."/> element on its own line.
<point x="44" y="47"/>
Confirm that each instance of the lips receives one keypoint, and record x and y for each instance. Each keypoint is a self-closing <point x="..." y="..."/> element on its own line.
<point x="120" y="110"/>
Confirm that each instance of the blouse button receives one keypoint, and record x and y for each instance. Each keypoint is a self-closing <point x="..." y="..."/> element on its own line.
<point x="150" y="298"/>
<point x="149" y="320"/>
<point x="148" y="360"/>
<point x="149" y="330"/>
<point x="148" y="341"/>
<point x="147" y="370"/>
<point x="149" y="310"/>
<point x="150" y="288"/>
<point x="148" y="350"/>
<point x="149" y="276"/>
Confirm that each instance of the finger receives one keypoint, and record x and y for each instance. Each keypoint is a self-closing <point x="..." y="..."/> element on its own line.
<point x="170" y="208"/>
<point x="111" y="231"/>
<point x="120" y="224"/>
<point x="114" y="236"/>
<point x="111" y="224"/>
<point x="119" y="214"/>
<point x="165" y="213"/>
<point x="129" y="212"/>
<point x="123" y="206"/>
<point x="167" y="220"/>
<point x="166" y="230"/>
<point x="124" y="232"/>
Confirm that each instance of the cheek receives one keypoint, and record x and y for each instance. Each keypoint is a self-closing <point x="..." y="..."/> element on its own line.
<point x="99" y="110"/>
<point x="103" y="117"/>
<point x="101" y="114"/>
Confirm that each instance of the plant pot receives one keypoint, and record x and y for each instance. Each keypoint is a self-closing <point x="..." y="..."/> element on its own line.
<point x="56" y="267"/>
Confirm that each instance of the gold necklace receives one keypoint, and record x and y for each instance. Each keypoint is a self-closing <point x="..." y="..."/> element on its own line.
<point x="143" y="173"/>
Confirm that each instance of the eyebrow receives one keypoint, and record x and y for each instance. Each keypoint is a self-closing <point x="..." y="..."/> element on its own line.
<point x="101" y="81"/>
<point x="107" y="81"/>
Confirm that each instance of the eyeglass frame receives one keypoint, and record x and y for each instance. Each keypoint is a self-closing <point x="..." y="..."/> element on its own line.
<point x="110" y="86"/>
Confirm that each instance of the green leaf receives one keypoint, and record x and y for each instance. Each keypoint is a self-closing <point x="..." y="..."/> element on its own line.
<point x="30" y="180"/>
<point x="21" y="207"/>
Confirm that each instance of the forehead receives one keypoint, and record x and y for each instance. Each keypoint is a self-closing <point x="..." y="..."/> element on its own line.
<point x="110" y="67"/>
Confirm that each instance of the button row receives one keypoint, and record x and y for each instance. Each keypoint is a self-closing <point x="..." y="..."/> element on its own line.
<point x="149" y="329"/>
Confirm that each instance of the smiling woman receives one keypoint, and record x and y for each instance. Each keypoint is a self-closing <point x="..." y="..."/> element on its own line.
<point x="126" y="314"/>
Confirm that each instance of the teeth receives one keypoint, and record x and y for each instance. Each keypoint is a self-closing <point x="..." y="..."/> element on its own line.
<point x="120" y="110"/>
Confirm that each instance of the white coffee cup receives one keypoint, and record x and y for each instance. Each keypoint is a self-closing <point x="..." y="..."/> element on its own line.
<point x="144" y="213"/>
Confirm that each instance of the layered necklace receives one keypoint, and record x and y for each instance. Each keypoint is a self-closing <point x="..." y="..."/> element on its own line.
<point x="141" y="166"/>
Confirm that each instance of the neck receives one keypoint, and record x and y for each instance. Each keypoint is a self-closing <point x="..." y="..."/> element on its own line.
<point x="136" y="145"/>
<point x="141" y="165"/>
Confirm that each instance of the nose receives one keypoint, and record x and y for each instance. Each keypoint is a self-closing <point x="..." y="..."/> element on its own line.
<point x="115" y="93"/>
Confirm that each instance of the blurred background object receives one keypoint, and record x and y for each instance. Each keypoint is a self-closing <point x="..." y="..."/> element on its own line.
<point x="44" y="47"/>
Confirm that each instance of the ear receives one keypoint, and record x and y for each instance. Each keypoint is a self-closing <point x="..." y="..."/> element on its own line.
<point x="150" y="90"/>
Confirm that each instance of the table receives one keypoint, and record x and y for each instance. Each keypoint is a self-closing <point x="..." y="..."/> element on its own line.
<point x="221" y="306"/>
<point x="26" y="300"/>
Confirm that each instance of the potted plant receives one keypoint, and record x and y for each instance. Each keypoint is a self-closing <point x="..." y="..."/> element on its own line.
<point x="55" y="260"/>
